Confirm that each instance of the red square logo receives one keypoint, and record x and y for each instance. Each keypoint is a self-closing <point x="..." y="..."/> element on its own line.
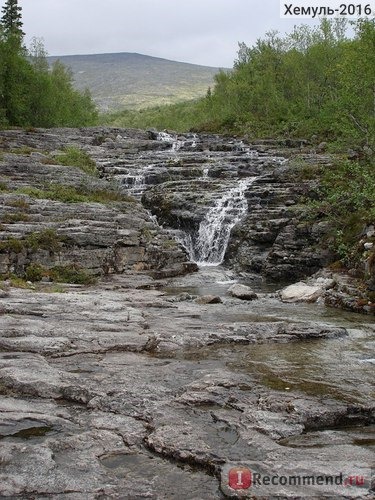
<point x="239" y="478"/>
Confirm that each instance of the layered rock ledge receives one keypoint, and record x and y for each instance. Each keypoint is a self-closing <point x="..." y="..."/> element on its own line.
<point x="139" y="386"/>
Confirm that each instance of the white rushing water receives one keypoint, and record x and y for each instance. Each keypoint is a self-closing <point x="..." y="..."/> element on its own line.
<point x="135" y="181"/>
<point x="171" y="139"/>
<point x="208" y="248"/>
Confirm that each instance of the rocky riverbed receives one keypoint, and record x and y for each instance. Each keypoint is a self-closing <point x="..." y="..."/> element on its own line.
<point x="156" y="379"/>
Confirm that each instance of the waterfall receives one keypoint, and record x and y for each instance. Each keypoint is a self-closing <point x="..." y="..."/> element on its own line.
<point x="173" y="140"/>
<point x="209" y="247"/>
<point x="135" y="181"/>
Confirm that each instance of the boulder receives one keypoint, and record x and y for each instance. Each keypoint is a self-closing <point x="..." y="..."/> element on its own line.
<point x="242" y="292"/>
<point x="301" y="292"/>
<point x="208" y="299"/>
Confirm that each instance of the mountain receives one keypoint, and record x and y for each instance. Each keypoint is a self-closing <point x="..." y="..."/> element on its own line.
<point x="132" y="81"/>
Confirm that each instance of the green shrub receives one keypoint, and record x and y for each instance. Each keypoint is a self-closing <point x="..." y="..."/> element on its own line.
<point x="13" y="245"/>
<point x="71" y="274"/>
<point x="70" y="194"/>
<point x="63" y="274"/>
<point x="34" y="272"/>
<point x="44" y="240"/>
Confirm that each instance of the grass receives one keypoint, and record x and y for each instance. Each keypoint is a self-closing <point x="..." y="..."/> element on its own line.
<point x="45" y="240"/>
<point x="70" y="194"/>
<point x="17" y="282"/>
<point x="19" y="203"/>
<point x="302" y="170"/>
<point x="71" y="274"/>
<point x="15" y="217"/>
<point x="3" y="187"/>
<point x="22" y="150"/>
<point x="62" y="274"/>
<point x="180" y="117"/>
<point x="75" y="157"/>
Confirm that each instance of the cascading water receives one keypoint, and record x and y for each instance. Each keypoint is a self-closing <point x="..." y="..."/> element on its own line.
<point x="135" y="180"/>
<point x="173" y="140"/>
<point x="208" y="248"/>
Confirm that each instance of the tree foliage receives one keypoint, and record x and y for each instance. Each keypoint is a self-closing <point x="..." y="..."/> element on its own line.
<point x="32" y="94"/>
<point x="314" y="81"/>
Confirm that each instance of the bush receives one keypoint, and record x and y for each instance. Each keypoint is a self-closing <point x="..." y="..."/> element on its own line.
<point x="70" y="194"/>
<point x="44" y="240"/>
<point x="34" y="272"/>
<point x="71" y="274"/>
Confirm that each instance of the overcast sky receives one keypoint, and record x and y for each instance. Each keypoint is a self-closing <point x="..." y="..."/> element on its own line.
<point x="198" y="31"/>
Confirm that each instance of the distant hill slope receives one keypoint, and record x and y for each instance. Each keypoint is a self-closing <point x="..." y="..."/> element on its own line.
<point x="132" y="81"/>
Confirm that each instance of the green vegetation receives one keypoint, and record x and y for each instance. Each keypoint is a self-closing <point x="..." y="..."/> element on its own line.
<point x="13" y="245"/>
<point x="347" y="199"/>
<point x="71" y="274"/>
<point x="62" y="274"/>
<point x="34" y="272"/>
<point x="179" y="117"/>
<point x="313" y="82"/>
<point x="136" y="81"/>
<point x="45" y="240"/>
<point x="14" y="217"/>
<point x="71" y="194"/>
<point x="19" y="203"/>
<point x="75" y="157"/>
<point x="30" y="93"/>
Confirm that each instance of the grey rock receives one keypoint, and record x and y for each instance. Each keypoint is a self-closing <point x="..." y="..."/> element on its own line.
<point x="301" y="292"/>
<point x="208" y="299"/>
<point x="242" y="292"/>
<point x="121" y="389"/>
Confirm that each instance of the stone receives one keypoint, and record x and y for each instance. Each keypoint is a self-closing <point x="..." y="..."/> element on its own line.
<point x="301" y="292"/>
<point x="38" y="156"/>
<point x="102" y="238"/>
<point x="208" y="299"/>
<point x="124" y="389"/>
<point x="242" y="292"/>
<point x="368" y="246"/>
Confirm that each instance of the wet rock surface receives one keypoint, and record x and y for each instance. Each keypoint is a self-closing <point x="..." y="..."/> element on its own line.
<point x="118" y="392"/>
<point x="41" y="198"/>
<point x="154" y="381"/>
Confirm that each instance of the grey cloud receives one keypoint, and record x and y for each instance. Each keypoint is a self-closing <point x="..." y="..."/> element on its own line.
<point x="198" y="31"/>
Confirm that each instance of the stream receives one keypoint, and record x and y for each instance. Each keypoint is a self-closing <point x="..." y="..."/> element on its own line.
<point x="157" y="382"/>
<point x="338" y="369"/>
